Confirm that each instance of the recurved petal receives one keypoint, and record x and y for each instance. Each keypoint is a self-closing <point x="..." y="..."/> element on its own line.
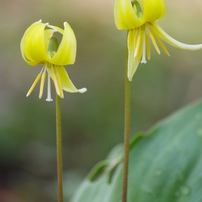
<point x="66" y="53"/>
<point x="28" y="61"/>
<point x="47" y="36"/>
<point x="32" y="44"/>
<point x="153" y="10"/>
<point x="67" y="84"/>
<point x="125" y="15"/>
<point x="132" y="62"/>
<point x="167" y="38"/>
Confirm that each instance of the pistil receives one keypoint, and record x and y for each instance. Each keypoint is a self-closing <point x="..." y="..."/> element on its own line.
<point x="49" y="99"/>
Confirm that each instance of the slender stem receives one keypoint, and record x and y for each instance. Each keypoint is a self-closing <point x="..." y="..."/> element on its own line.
<point x="126" y="133"/>
<point x="59" y="148"/>
<point x="53" y="44"/>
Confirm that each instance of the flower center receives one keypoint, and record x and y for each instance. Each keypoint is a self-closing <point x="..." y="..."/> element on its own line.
<point x="52" y="73"/>
<point x="137" y="8"/>
<point x="53" y="70"/>
<point x="142" y="44"/>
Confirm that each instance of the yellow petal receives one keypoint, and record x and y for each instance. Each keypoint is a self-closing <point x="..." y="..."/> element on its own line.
<point x="132" y="63"/>
<point x="66" y="53"/>
<point x="56" y="29"/>
<point x="59" y="83"/>
<point x="32" y="44"/>
<point x="67" y="84"/>
<point x="164" y="36"/>
<point x="125" y="15"/>
<point x="152" y="9"/>
<point x="29" y="61"/>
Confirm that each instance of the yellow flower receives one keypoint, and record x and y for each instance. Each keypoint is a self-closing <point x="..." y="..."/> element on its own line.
<point x="37" y="48"/>
<point x="139" y="18"/>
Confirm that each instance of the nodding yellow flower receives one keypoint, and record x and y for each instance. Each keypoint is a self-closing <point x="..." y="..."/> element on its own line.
<point x="139" y="18"/>
<point x="37" y="47"/>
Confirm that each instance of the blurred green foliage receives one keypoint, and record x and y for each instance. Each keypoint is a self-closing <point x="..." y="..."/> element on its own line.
<point x="92" y="123"/>
<point x="163" y="164"/>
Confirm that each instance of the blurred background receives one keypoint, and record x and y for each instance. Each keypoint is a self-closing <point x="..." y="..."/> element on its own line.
<point x="92" y="123"/>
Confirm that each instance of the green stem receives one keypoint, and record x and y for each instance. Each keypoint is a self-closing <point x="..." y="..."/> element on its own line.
<point x="59" y="148"/>
<point x="53" y="44"/>
<point x="126" y="133"/>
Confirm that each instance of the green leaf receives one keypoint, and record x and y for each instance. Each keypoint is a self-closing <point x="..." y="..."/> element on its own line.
<point x="165" y="164"/>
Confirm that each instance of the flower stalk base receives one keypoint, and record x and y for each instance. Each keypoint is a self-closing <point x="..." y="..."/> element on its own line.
<point x="59" y="148"/>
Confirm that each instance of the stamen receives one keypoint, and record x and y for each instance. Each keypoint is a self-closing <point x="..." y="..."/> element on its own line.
<point x="154" y="42"/>
<point x="42" y="84"/>
<point x="144" y="49"/>
<point x="55" y="81"/>
<point x="34" y="84"/>
<point x="49" y="99"/>
<point x="59" y="83"/>
<point x="161" y="44"/>
<point x="138" y="44"/>
<point x="148" y="46"/>
<point x="139" y="54"/>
